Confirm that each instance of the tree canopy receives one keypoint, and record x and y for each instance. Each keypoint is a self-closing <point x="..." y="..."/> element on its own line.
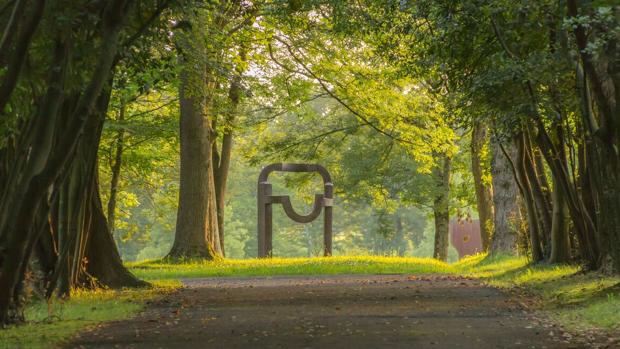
<point x="134" y="130"/>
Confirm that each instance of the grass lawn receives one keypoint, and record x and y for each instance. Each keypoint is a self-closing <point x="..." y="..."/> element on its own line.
<point x="48" y="325"/>
<point x="574" y="299"/>
<point x="159" y="270"/>
<point x="577" y="300"/>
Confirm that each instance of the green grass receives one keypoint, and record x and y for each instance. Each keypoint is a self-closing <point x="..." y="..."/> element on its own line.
<point x="160" y="270"/>
<point x="48" y="325"/>
<point x="574" y="299"/>
<point x="577" y="300"/>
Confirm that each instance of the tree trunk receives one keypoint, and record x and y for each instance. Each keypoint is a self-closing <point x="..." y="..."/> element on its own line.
<point x="587" y="232"/>
<point x="542" y="205"/>
<point x="196" y="233"/>
<point x="399" y="234"/>
<point x="8" y="82"/>
<point x="560" y="243"/>
<point x="484" y="191"/>
<point x="441" y="209"/>
<point x="44" y="165"/>
<point x="526" y="190"/>
<point x="104" y="261"/>
<point x="88" y="255"/>
<point x="41" y="168"/>
<point x="222" y="158"/>
<point x="507" y="218"/>
<point x="599" y="85"/>
<point x="116" y="170"/>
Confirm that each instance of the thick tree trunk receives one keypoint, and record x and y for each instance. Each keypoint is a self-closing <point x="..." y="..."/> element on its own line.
<point x="484" y="191"/>
<point x="88" y="255"/>
<point x="441" y="208"/>
<point x="101" y="253"/>
<point x="42" y="166"/>
<point x="9" y="79"/>
<point x="601" y="83"/>
<point x="507" y="218"/>
<point x="609" y="217"/>
<point x="196" y="233"/>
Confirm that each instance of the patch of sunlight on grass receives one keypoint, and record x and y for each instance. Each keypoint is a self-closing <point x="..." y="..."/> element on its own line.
<point x="53" y="324"/>
<point x="161" y="269"/>
<point x="537" y="276"/>
<point x="602" y="313"/>
<point x="485" y="266"/>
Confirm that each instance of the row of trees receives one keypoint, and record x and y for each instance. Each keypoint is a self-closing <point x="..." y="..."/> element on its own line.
<point x="409" y="103"/>
<point x="535" y="85"/>
<point x="544" y="77"/>
<point x="58" y="61"/>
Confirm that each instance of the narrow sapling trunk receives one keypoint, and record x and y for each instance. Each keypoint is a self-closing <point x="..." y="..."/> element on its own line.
<point x="484" y="191"/>
<point x="542" y="205"/>
<point x="116" y="169"/>
<point x="528" y="198"/>
<point x="560" y="243"/>
<point x="222" y="159"/>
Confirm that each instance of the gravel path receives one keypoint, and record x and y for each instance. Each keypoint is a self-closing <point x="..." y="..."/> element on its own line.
<point x="343" y="311"/>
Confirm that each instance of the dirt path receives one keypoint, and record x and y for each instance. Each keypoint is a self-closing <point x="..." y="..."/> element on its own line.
<point x="353" y="312"/>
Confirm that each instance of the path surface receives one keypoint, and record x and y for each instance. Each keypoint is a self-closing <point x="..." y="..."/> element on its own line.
<point x="352" y="311"/>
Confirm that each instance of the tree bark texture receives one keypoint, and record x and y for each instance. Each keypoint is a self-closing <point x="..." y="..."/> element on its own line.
<point x="196" y="233"/>
<point x="36" y="171"/>
<point x="599" y="85"/>
<point x="441" y="208"/>
<point x="222" y="158"/>
<point x="484" y="191"/>
<point x="507" y="218"/>
<point x="116" y="170"/>
<point x="521" y="163"/>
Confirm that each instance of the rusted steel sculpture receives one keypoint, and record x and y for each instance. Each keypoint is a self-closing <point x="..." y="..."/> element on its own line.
<point x="265" y="200"/>
<point x="465" y="236"/>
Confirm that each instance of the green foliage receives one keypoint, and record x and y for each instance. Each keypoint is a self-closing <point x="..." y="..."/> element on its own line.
<point x="148" y="187"/>
<point x="312" y="95"/>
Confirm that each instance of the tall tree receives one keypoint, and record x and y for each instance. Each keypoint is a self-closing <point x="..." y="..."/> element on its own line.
<point x="196" y="234"/>
<point x="441" y="208"/>
<point x="507" y="217"/>
<point x="207" y="120"/>
<point x="52" y="143"/>
<point x="484" y="191"/>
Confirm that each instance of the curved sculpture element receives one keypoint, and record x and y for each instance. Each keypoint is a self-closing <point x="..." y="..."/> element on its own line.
<point x="265" y="200"/>
<point x="285" y="201"/>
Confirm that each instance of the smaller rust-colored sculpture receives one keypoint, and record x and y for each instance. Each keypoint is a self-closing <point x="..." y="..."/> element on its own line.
<point x="265" y="200"/>
<point x="465" y="236"/>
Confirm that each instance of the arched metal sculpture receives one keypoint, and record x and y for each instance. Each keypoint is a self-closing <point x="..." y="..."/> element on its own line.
<point x="265" y="200"/>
